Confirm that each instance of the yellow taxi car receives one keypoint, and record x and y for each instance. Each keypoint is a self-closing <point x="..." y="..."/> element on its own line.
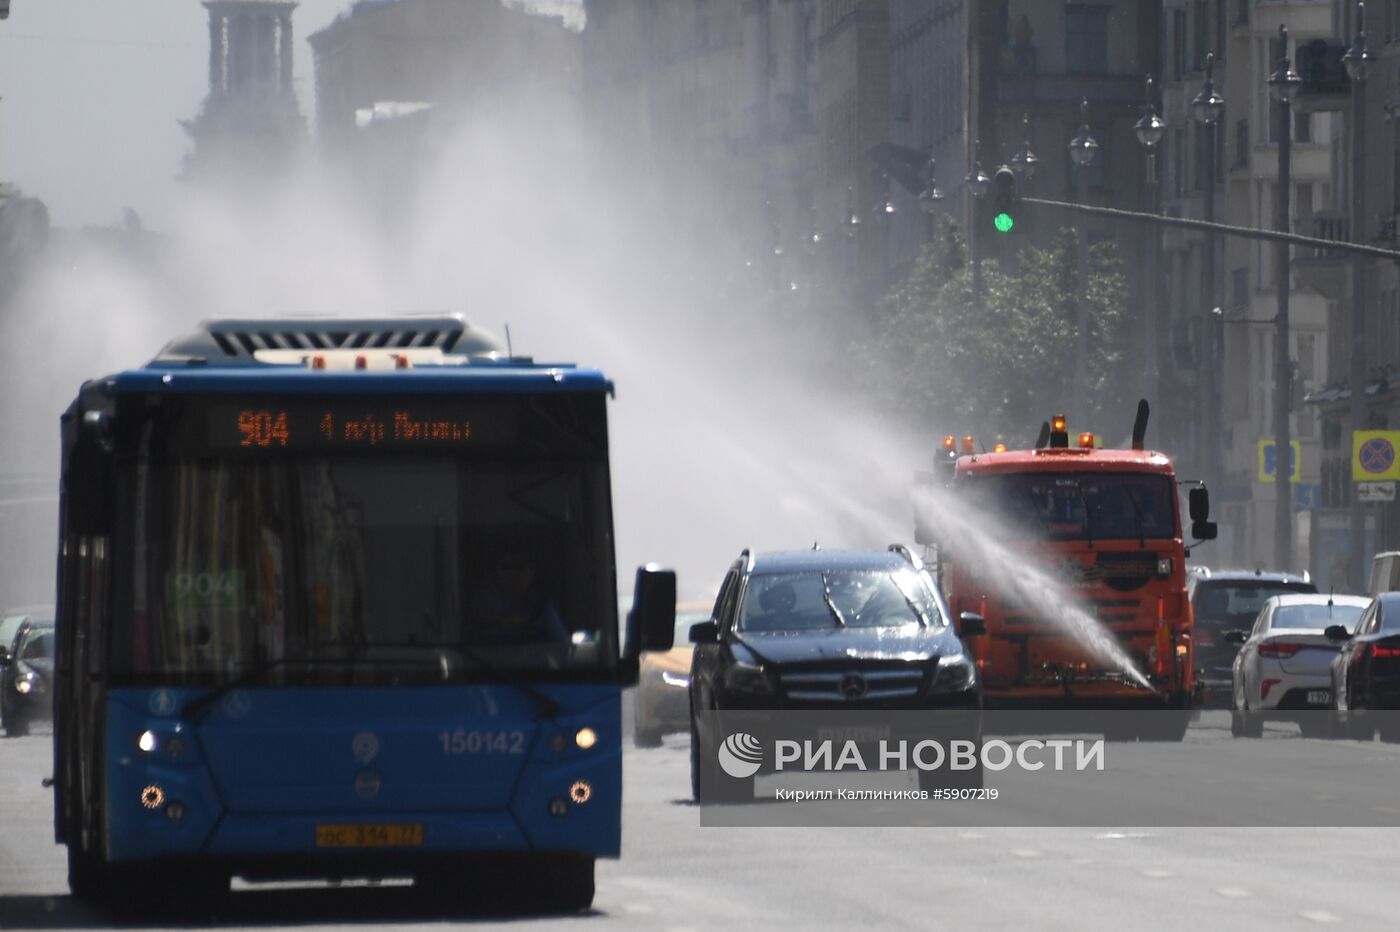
<point x="662" y="701"/>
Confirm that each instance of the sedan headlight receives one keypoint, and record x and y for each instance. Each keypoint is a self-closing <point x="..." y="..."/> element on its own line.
<point x="28" y="681"/>
<point x="955" y="673"/>
<point x="679" y="680"/>
<point x="747" y="678"/>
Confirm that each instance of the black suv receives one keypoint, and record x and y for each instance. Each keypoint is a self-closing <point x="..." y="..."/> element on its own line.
<point x="1229" y="600"/>
<point x="26" y="683"/>
<point x="821" y="629"/>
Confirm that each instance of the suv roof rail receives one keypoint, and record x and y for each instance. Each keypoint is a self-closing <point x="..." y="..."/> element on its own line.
<point x="746" y="555"/>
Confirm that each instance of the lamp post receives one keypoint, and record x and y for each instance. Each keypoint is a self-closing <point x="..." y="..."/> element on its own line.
<point x="930" y="195"/>
<point x="1207" y="108"/>
<point x="978" y="184"/>
<point x="1025" y="162"/>
<point x="1358" y="61"/>
<point x="1082" y="149"/>
<point x="851" y="224"/>
<point x="1283" y="84"/>
<point x="883" y="211"/>
<point x="1149" y="130"/>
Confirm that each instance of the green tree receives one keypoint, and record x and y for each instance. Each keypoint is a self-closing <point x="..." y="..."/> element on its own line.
<point x="1006" y="368"/>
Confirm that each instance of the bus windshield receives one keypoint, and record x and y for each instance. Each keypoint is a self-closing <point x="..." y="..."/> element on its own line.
<point x="1078" y="506"/>
<point x="362" y="567"/>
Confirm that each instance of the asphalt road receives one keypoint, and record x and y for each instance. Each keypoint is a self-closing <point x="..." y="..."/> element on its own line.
<point x="674" y="874"/>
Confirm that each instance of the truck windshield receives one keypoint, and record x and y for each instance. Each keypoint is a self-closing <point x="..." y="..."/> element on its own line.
<point x="1079" y="506"/>
<point x="364" y="568"/>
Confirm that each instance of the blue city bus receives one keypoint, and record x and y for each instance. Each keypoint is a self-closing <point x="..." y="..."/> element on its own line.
<point x="337" y="599"/>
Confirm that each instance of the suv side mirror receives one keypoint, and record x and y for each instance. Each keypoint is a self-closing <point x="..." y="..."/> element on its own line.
<point x="706" y="632"/>
<point x="1336" y="633"/>
<point x="971" y="625"/>
<point x="1235" y="637"/>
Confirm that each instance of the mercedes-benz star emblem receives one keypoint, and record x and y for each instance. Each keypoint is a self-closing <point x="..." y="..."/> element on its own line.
<point x="852" y="686"/>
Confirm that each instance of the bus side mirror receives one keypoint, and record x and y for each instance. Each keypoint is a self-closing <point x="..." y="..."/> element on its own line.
<point x="1198" y="501"/>
<point x="651" y="625"/>
<point x="1204" y="530"/>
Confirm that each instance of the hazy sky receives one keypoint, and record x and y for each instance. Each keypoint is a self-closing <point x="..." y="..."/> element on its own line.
<point x="92" y="95"/>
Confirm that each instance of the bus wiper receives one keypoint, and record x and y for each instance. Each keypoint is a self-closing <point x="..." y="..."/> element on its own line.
<point x="1137" y="515"/>
<point x="831" y="603"/>
<point x="543" y="702"/>
<point x="191" y="711"/>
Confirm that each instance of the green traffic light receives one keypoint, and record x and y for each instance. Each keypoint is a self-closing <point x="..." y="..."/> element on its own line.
<point x="1004" y="222"/>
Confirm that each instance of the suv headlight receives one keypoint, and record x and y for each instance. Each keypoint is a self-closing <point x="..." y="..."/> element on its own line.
<point x="746" y="678"/>
<point x="955" y="673"/>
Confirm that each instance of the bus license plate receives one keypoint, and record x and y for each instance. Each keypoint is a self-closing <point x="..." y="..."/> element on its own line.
<point x="403" y="835"/>
<point x="1319" y="697"/>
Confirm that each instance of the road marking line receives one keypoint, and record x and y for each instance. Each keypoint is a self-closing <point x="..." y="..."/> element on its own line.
<point x="637" y="908"/>
<point x="1114" y="836"/>
<point x="1319" y="915"/>
<point x="1157" y="872"/>
<point x="1232" y="891"/>
<point x="971" y="835"/>
<point x="1025" y="852"/>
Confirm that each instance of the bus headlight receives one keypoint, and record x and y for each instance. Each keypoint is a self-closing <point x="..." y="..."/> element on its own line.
<point x="586" y="738"/>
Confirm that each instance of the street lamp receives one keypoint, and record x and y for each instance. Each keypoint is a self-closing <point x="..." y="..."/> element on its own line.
<point x="1207" y="107"/>
<point x="1283" y="84"/>
<point x="1149" y="130"/>
<point x="1082" y="149"/>
<point x="1358" y="60"/>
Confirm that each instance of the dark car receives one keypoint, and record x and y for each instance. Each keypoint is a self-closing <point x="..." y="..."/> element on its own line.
<point x="1366" y="671"/>
<point x="26" y="685"/>
<point x="823" y="630"/>
<point x="1230" y="600"/>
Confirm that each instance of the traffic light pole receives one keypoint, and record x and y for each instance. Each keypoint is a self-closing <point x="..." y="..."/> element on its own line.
<point x="1278" y="236"/>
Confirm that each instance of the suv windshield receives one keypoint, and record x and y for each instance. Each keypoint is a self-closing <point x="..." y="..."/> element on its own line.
<point x="843" y="598"/>
<point x="1228" y="605"/>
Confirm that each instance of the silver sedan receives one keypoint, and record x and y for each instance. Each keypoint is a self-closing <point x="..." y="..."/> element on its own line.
<point x="1284" y="662"/>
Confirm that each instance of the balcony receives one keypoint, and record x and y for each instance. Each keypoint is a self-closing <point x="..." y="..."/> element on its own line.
<point x="1321" y="268"/>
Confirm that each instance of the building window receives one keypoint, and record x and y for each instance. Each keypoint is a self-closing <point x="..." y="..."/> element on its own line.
<point x="1178" y="169"/>
<point x="1241" y="11"/>
<point x="1086" y="39"/>
<point x="1302" y="127"/>
<point x="1239" y="287"/>
<point x="1178" y="44"/>
<point x="1200" y="14"/>
<point x="1241" y="143"/>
